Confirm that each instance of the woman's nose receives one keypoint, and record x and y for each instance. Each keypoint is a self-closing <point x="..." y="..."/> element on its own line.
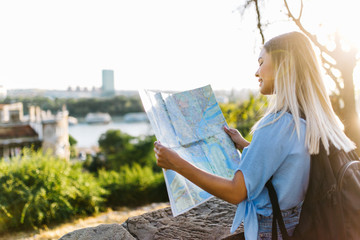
<point x="257" y="73"/>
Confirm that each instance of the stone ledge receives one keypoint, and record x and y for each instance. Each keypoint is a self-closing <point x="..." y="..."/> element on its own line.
<point x="104" y="231"/>
<point x="210" y="220"/>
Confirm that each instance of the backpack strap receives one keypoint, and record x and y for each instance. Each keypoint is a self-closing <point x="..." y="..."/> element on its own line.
<point x="277" y="217"/>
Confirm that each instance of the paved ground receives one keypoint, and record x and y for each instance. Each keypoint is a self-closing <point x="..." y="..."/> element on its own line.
<point x="118" y="216"/>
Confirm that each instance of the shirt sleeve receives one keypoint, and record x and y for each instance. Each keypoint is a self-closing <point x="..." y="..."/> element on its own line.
<point x="267" y="151"/>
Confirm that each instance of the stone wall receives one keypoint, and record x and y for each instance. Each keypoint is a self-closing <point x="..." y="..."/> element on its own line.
<point x="211" y="220"/>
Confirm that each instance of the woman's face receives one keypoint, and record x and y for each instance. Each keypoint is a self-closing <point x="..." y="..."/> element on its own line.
<point x="265" y="73"/>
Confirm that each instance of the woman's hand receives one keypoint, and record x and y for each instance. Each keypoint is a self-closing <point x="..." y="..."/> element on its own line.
<point x="233" y="191"/>
<point x="166" y="157"/>
<point x="236" y="137"/>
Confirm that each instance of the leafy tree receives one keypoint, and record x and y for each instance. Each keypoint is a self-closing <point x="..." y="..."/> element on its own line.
<point x="244" y="115"/>
<point x="120" y="149"/>
<point x="338" y="62"/>
<point x="72" y="142"/>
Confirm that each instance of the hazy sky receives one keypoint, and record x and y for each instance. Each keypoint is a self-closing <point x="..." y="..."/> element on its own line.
<point x="157" y="44"/>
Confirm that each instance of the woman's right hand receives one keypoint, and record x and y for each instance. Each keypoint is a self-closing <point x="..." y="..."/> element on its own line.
<point x="166" y="157"/>
<point x="236" y="137"/>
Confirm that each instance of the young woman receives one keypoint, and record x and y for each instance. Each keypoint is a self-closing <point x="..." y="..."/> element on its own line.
<point x="298" y="118"/>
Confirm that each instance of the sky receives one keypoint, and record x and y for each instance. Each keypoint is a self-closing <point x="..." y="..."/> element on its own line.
<point x="157" y="44"/>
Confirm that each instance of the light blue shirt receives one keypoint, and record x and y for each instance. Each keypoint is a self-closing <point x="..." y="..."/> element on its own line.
<point x="275" y="150"/>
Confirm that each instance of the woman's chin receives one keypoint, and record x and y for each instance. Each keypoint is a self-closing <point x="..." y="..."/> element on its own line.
<point x="264" y="91"/>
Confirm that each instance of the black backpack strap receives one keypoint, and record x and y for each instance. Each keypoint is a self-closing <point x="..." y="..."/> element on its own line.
<point x="277" y="217"/>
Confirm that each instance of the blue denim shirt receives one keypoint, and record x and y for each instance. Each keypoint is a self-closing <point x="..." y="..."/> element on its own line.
<point x="275" y="150"/>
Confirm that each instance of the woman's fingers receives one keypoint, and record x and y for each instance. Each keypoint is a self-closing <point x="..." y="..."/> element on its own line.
<point x="165" y="156"/>
<point x="157" y="147"/>
<point x="160" y="154"/>
<point x="229" y="131"/>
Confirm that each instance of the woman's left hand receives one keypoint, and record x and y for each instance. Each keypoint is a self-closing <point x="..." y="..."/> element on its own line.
<point x="236" y="137"/>
<point x="166" y="157"/>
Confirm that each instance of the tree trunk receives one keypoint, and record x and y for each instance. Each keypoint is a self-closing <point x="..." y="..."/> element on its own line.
<point x="349" y="116"/>
<point x="346" y="63"/>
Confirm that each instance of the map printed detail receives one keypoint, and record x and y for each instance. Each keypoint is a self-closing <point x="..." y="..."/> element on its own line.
<point x="191" y="123"/>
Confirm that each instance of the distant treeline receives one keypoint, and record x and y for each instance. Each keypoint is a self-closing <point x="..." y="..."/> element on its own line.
<point x="116" y="106"/>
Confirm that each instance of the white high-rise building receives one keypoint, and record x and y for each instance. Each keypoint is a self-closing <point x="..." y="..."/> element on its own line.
<point x="3" y="92"/>
<point x="108" y="82"/>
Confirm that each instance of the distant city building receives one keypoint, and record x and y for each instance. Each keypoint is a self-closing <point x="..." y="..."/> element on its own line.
<point x="13" y="138"/>
<point x="38" y="129"/>
<point x="11" y="113"/>
<point x="56" y="135"/>
<point x="108" y="87"/>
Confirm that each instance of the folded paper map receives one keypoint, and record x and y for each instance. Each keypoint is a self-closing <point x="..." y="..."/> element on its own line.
<point x="191" y="123"/>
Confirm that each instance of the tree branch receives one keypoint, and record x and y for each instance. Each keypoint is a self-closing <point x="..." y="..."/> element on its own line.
<point x="312" y="37"/>
<point x="324" y="60"/>
<point x="259" y="21"/>
<point x="301" y="10"/>
<point x="258" y="16"/>
<point x="244" y="7"/>
<point x="334" y="78"/>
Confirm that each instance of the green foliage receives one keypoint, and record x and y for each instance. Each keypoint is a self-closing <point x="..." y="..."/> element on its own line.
<point x="133" y="186"/>
<point x="126" y="168"/>
<point x="116" y="106"/>
<point x="129" y="173"/>
<point x="43" y="102"/>
<point x="244" y="115"/>
<point x="39" y="189"/>
<point x="119" y="149"/>
<point x="72" y="140"/>
<point x="73" y="151"/>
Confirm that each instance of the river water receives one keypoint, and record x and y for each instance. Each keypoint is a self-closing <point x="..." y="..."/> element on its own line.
<point x="87" y="135"/>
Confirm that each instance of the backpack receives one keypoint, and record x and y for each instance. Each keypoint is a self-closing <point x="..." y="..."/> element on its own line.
<point x="331" y="208"/>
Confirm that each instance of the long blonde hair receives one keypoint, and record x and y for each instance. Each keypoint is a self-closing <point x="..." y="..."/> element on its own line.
<point x="300" y="90"/>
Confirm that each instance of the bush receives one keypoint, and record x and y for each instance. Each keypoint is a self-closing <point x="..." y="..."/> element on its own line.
<point x="73" y="151"/>
<point x="133" y="186"/>
<point x="118" y="149"/>
<point x="244" y="115"/>
<point x="39" y="189"/>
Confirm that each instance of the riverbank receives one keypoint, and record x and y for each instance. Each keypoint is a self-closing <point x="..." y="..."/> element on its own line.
<point x="111" y="216"/>
<point x="87" y="135"/>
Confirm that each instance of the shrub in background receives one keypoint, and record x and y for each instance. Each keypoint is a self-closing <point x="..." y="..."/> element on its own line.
<point x="73" y="151"/>
<point x="120" y="149"/>
<point x="243" y="115"/>
<point x="133" y="186"/>
<point x="38" y="189"/>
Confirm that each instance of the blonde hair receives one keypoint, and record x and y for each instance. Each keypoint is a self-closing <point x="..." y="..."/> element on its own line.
<point x="300" y="90"/>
